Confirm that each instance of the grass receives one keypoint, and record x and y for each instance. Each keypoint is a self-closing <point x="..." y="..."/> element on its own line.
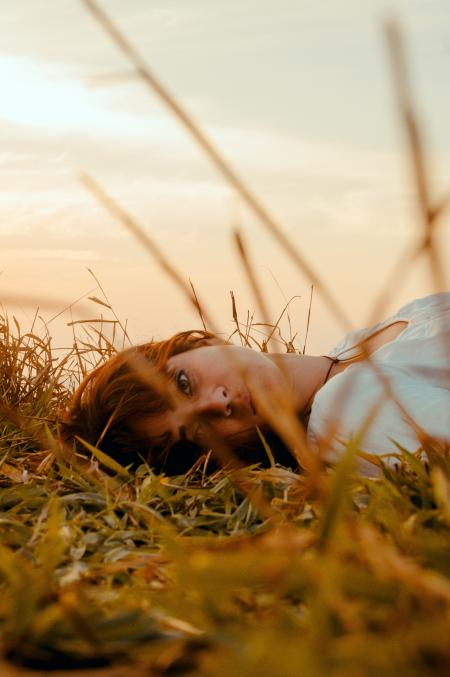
<point x="189" y="575"/>
<point x="247" y="572"/>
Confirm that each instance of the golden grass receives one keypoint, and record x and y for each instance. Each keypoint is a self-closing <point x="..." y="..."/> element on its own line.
<point x="244" y="571"/>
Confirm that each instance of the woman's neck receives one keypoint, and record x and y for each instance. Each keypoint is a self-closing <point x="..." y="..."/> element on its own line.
<point x="306" y="375"/>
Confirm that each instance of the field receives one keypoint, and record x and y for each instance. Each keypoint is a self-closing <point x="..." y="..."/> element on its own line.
<point x="253" y="571"/>
<point x="245" y="571"/>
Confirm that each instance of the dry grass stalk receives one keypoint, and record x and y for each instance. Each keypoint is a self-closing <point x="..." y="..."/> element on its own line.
<point x="225" y="169"/>
<point x="238" y="572"/>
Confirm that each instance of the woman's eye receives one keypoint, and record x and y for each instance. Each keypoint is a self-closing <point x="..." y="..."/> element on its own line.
<point x="183" y="382"/>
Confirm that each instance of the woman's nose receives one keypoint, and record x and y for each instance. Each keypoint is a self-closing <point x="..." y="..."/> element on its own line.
<point x="216" y="403"/>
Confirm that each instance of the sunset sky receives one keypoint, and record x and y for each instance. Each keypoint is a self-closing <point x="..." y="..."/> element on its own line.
<point x="298" y="96"/>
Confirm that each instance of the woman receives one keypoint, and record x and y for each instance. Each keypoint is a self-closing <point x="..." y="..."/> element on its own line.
<point x="386" y="386"/>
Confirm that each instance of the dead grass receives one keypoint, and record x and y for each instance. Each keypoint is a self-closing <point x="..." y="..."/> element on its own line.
<point x="188" y="574"/>
<point x="249" y="571"/>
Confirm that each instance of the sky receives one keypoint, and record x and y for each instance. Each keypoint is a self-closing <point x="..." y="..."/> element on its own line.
<point x="296" y="94"/>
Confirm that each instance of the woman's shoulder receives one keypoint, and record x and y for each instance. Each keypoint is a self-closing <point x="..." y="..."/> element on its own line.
<point x="354" y="404"/>
<point x="342" y="408"/>
<point x="431" y="305"/>
<point x="352" y="390"/>
<point x="424" y="309"/>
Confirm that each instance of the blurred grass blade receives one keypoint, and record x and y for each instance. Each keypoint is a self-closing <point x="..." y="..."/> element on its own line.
<point x="104" y="459"/>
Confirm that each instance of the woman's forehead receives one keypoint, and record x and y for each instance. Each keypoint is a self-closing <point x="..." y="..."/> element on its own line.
<point x="229" y="354"/>
<point x="200" y="353"/>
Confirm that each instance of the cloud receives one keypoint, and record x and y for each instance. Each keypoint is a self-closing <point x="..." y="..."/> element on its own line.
<point x="44" y="97"/>
<point x="51" y="254"/>
<point x="57" y="110"/>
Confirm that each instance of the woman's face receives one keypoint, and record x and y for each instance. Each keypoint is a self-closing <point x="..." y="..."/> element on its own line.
<point x="217" y="385"/>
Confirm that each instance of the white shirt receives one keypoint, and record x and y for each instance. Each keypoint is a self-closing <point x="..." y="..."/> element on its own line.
<point x="418" y="368"/>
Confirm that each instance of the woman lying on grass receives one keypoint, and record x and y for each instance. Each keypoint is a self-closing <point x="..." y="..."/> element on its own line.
<point x="166" y="401"/>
